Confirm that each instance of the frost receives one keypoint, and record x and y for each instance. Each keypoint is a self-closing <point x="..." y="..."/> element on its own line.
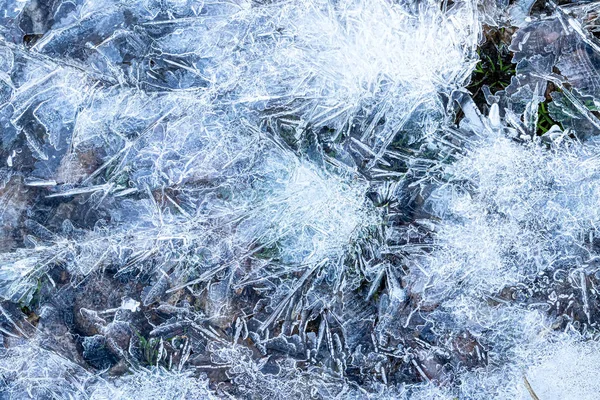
<point x="31" y="372"/>
<point x="297" y="199"/>
<point x="153" y="384"/>
<point x="527" y="211"/>
<point x="566" y="369"/>
<point x="130" y="304"/>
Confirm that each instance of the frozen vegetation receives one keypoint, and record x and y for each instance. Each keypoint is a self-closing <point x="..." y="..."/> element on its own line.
<point x="299" y="199"/>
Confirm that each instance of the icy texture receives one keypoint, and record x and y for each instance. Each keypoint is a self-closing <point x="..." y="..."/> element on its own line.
<point x="567" y="370"/>
<point x="31" y="372"/>
<point x="153" y="384"/>
<point x="296" y="199"/>
<point x="515" y="211"/>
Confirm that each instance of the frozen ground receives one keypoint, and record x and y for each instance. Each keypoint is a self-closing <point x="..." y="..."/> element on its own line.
<point x="299" y="199"/>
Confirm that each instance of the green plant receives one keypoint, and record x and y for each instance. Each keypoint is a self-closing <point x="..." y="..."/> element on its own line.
<point x="545" y="121"/>
<point x="149" y="349"/>
<point x="494" y="68"/>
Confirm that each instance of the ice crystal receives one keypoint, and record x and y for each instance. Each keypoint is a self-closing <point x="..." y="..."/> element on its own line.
<point x="298" y="199"/>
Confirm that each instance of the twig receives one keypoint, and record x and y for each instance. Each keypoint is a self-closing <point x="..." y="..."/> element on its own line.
<point x="530" y="389"/>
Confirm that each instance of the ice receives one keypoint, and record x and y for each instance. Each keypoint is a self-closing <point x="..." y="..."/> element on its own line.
<point x="297" y="199"/>
<point x="31" y="372"/>
<point x="525" y="208"/>
<point x="560" y="50"/>
<point x="565" y="369"/>
<point x="156" y="383"/>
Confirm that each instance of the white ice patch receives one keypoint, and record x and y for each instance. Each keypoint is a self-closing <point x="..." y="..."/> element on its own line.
<point x="568" y="369"/>
<point x="311" y="216"/>
<point x="130" y="304"/>
<point x="512" y="211"/>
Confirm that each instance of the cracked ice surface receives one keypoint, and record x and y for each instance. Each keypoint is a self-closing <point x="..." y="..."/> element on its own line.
<point x="297" y="199"/>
